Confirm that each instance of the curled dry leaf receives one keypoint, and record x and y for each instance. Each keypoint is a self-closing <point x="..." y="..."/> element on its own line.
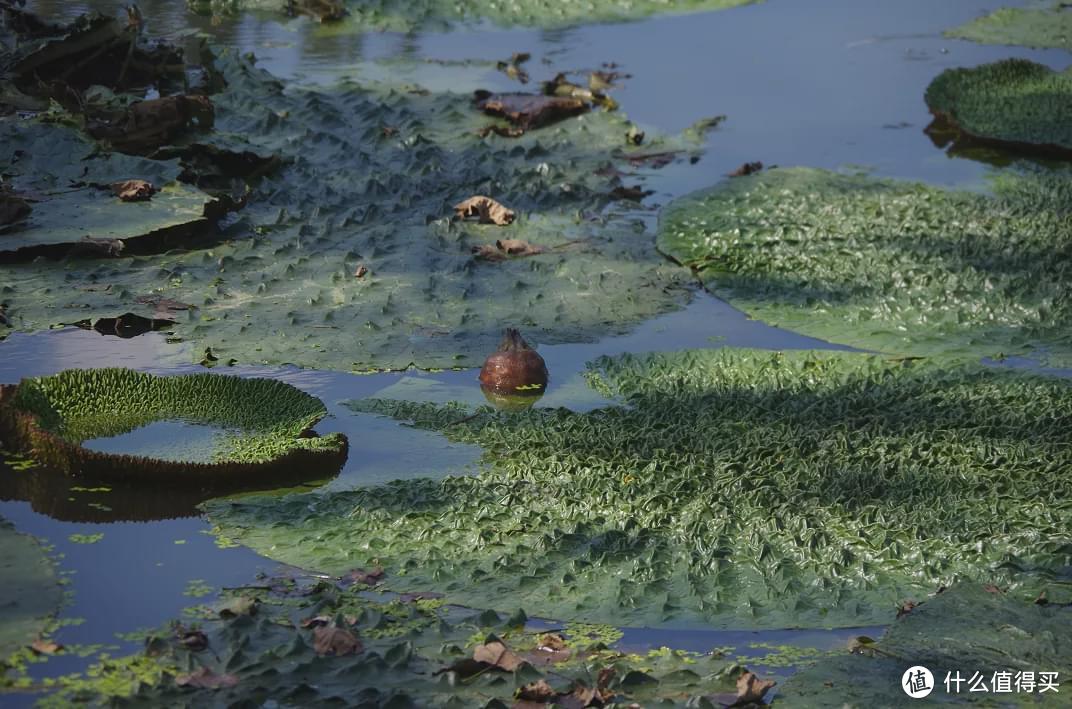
<point x="369" y="577"/>
<point x="530" y="111"/>
<point x="485" y="209"/>
<point x="634" y="193"/>
<point x="45" y="647"/>
<point x="991" y="588"/>
<point x="361" y="271"/>
<point x="204" y="678"/>
<point x="747" y="169"/>
<point x="192" y="640"/>
<point x="333" y="640"/>
<point x="538" y="691"/>
<point x="497" y="655"/>
<point x="243" y="605"/>
<point x="133" y="190"/>
<point x="905" y="608"/>
<point x="750" y="689"/>
<point x="504" y="248"/>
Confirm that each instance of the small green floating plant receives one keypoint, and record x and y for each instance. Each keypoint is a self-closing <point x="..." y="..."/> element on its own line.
<point x="52" y="416"/>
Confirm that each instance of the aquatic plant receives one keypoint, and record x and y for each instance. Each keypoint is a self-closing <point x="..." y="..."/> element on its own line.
<point x="330" y="641"/>
<point x="1012" y="103"/>
<point x="969" y="630"/>
<point x="405" y="16"/>
<point x="368" y="180"/>
<point x="734" y="488"/>
<point x="1038" y="26"/>
<point x="887" y="265"/>
<point x="51" y="417"/>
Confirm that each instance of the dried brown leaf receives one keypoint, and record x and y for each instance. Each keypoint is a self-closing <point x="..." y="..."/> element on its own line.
<point x="991" y="588"/>
<point x="747" y="168"/>
<point x="485" y="209"/>
<point x="204" y="678"/>
<point x="243" y="605"/>
<point x="133" y="190"/>
<point x="750" y="689"/>
<point x="333" y="640"/>
<point x="498" y="655"/>
<point x="369" y="577"/>
<point x="538" y="691"/>
<point x="45" y="647"/>
<point x="192" y="640"/>
<point x="530" y="111"/>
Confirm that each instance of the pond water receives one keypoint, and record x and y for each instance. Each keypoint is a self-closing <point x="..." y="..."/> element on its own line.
<point x="826" y="83"/>
<point x="167" y="440"/>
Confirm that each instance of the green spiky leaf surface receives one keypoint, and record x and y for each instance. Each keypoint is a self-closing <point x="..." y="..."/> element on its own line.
<point x="964" y="629"/>
<point x="350" y="194"/>
<point x="66" y="178"/>
<point x="736" y="488"/>
<point x="1027" y="27"/>
<point x="407" y="15"/>
<point x="97" y="403"/>
<point x="30" y="593"/>
<point x="1013" y="101"/>
<point x="893" y="266"/>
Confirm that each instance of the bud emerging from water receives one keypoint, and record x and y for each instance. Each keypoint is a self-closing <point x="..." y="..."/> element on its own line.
<point x="514" y="370"/>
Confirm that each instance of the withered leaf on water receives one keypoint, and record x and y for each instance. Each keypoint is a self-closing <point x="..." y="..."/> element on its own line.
<point x="538" y="691"/>
<point x="505" y="248"/>
<point x="361" y="271"/>
<point x="13" y="209"/>
<point x="991" y="588"/>
<point x="905" y="608"/>
<point x="333" y="640"/>
<point x="530" y="111"/>
<point x="512" y="67"/>
<point x="192" y="640"/>
<point x="133" y="190"/>
<point x="146" y="125"/>
<point x="747" y="168"/>
<point x="243" y="605"/>
<point x="634" y="193"/>
<point x="45" y="647"/>
<point x="369" y="577"/>
<point x="204" y="678"/>
<point x="485" y="209"/>
<point x="550" y="650"/>
<point x="560" y="86"/>
<point x="496" y="654"/>
<point x="750" y="691"/>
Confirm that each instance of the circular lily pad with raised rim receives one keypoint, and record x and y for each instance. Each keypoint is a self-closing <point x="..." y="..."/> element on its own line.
<point x="266" y="425"/>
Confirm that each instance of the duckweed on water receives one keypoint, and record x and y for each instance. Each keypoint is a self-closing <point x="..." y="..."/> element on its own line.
<point x="407" y="15"/>
<point x="735" y="488"/>
<point x="965" y="629"/>
<point x="51" y="416"/>
<point x="1014" y="102"/>
<point x="370" y="178"/>
<point x="1044" y="26"/>
<point x="887" y="265"/>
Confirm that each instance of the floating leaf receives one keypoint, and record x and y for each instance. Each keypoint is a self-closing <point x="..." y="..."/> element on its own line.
<point x="485" y="209"/>
<point x="332" y="640"/>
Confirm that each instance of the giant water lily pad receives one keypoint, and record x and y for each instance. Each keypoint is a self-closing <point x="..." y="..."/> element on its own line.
<point x="66" y="179"/>
<point x="894" y="266"/>
<point x="407" y="15"/>
<point x="1014" y="103"/>
<point x="268" y="425"/>
<point x="1048" y="24"/>
<point x="30" y="593"/>
<point x="370" y="177"/>
<point x="736" y="488"/>
<point x="967" y="629"/>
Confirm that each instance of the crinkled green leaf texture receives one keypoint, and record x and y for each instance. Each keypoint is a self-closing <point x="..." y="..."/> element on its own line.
<point x="30" y="593"/>
<point x="370" y="178"/>
<point x="67" y="179"/>
<point x="965" y="629"/>
<point x="736" y="488"/>
<point x="1013" y="102"/>
<point x="886" y="265"/>
<point x="407" y="15"/>
<point x="1029" y="27"/>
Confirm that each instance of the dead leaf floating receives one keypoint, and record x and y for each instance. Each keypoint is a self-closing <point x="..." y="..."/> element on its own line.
<point x="486" y="210"/>
<point x="133" y="190"/>
<point x="333" y="640"/>
<point x="750" y="689"/>
<point x="529" y="111"/>
<point x="496" y="654"/>
<point x="369" y="577"/>
<point x="747" y="168"/>
<point x="45" y="647"/>
<point x="506" y="248"/>
<point x="204" y="678"/>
